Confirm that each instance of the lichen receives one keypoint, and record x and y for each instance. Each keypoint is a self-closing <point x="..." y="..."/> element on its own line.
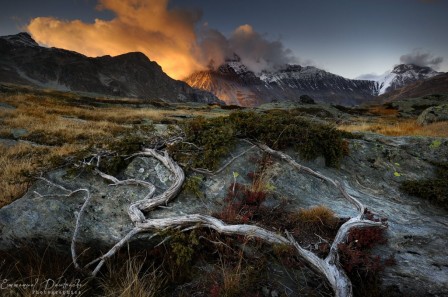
<point x="435" y="144"/>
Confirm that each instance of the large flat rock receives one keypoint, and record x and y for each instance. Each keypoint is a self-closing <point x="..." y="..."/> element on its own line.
<point x="417" y="233"/>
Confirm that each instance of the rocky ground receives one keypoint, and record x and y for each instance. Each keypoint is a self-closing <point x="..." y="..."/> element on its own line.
<point x="372" y="172"/>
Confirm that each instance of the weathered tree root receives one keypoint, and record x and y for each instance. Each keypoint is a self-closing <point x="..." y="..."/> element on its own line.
<point x="329" y="266"/>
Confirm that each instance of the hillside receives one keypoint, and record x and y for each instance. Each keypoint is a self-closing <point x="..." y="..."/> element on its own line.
<point x="23" y="61"/>
<point x="434" y="85"/>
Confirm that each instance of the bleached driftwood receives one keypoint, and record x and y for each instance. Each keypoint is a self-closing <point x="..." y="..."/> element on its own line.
<point x="328" y="267"/>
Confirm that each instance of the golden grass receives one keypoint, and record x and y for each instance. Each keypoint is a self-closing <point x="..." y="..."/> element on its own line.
<point x="132" y="280"/>
<point x="36" y="106"/>
<point x="64" y="126"/>
<point x="318" y="215"/>
<point x="22" y="161"/>
<point x="399" y="128"/>
<point x="380" y="110"/>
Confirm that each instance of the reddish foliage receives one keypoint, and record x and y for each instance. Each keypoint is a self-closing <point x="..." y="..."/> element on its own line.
<point x="355" y="255"/>
<point x="242" y="204"/>
<point x="361" y="261"/>
<point x="366" y="238"/>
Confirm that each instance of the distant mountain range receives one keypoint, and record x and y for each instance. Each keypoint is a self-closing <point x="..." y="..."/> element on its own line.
<point x="234" y="83"/>
<point x="23" y="61"/>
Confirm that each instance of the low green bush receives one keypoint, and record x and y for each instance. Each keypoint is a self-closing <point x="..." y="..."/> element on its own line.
<point x="208" y="140"/>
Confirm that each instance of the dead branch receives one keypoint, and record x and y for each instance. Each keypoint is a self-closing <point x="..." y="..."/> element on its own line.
<point x="329" y="266"/>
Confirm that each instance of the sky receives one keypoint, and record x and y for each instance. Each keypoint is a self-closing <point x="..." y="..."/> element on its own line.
<point x="345" y="37"/>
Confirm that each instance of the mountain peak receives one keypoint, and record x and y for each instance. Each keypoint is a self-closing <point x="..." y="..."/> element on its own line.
<point x="22" y="38"/>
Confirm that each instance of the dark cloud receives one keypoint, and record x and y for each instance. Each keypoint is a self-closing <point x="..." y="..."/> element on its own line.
<point x="255" y="50"/>
<point x="421" y="58"/>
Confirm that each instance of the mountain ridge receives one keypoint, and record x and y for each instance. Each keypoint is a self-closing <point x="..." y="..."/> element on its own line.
<point x="234" y="83"/>
<point x="133" y="74"/>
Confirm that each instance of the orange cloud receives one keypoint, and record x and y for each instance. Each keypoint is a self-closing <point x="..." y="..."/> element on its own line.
<point x="165" y="36"/>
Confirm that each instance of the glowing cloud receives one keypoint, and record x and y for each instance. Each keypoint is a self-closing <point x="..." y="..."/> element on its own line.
<point x="165" y="35"/>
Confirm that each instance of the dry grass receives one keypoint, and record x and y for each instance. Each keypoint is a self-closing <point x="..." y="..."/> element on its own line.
<point x="399" y="128"/>
<point x="381" y="110"/>
<point x="129" y="276"/>
<point x="318" y="215"/>
<point x="37" y="106"/>
<point x="131" y="279"/>
<point x="22" y="161"/>
<point x="62" y="127"/>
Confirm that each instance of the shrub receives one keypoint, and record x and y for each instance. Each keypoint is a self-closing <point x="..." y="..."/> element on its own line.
<point x="208" y="140"/>
<point x="283" y="129"/>
<point x="362" y="267"/>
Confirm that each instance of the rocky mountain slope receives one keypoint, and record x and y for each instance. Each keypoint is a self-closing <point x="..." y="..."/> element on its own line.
<point x="401" y="76"/>
<point x="234" y="83"/>
<point x="23" y="61"/>
<point x="435" y="85"/>
<point x="319" y="84"/>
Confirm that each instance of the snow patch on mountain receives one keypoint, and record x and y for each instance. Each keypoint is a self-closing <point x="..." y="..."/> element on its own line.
<point x="399" y="77"/>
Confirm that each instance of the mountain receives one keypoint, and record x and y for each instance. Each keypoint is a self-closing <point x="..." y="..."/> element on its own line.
<point x="323" y="86"/>
<point x="234" y="83"/>
<point x="402" y="75"/>
<point x="23" y="61"/>
<point x="434" y="85"/>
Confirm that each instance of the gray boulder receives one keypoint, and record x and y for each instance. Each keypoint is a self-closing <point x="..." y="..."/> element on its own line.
<point x="372" y="173"/>
<point x="433" y="114"/>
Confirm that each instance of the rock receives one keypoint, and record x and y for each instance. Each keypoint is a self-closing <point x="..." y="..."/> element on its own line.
<point x="18" y="132"/>
<point x="306" y="99"/>
<point x="44" y="214"/>
<point x="8" y="142"/>
<point x="6" y="106"/>
<point x="433" y="114"/>
<point x="416" y="234"/>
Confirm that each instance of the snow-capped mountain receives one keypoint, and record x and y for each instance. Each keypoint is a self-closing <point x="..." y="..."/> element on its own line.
<point x="319" y="84"/>
<point x="23" y="61"/>
<point x="234" y="83"/>
<point x="401" y="76"/>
